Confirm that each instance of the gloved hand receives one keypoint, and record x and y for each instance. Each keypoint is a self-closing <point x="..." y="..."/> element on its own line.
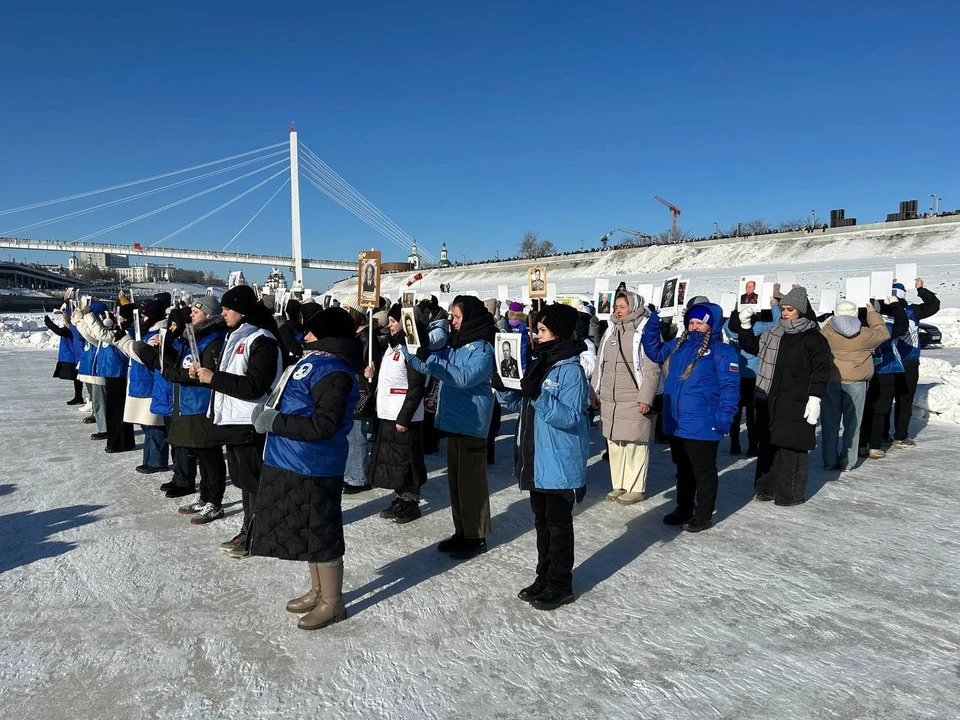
<point x="746" y="318"/>
<point x="263" y="420"/>
<point x="812" y="412"/>
<point x="496" y="382"/>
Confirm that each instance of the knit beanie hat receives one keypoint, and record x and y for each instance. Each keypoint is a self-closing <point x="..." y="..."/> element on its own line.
<point x="515" y="307"/>
<point x="899" y="290"/>
<point x="241" y="299"/>
<point x="846" y="308"/>
<point x="699" y="312"/>
<point x="332" y="323"/>
<point x="695" y="300"/>
<point x="125" y="311"/>
<point x="307" y="311"/>
<point x="150" y="309"/>
<point x="208" y="305"/>
<point x="99" y="308"/>
<point x="165" y="300"/>
<point x="395" y="312"/>
<point x="797" y="298"/>
<point x="559" y="319"/>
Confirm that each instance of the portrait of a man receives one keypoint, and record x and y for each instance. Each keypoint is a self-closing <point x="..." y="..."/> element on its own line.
<point x="537" y="281"/>
<point x="508" y="364"/>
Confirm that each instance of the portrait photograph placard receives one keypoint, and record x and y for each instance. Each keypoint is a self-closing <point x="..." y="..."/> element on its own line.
<point x="507" y="347"/>
<point x="537" y="281"/>
<point x="408" y="322"/>
<point x="368" y="290"/>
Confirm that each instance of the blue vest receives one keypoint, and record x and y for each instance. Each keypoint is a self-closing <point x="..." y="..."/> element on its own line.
<point x="78" y="343"/>
<point x="110" y="363"/>
<point x="195" y="399"/>
<point x="141" y="377"/>
<point x="162" y="396"/>
<point x="886" y="358"/>
<point x="319" y="458"/>
<point x="908" y="344"/>
<point x="88" y="358"/>
<point x="70" y="349"/>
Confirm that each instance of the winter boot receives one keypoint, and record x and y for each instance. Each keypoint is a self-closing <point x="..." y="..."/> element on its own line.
<point x="75" y="401"/>
<point x="308" y="601"/>
<point x="631" y="498"/>
<point x="677" y="517"/>
<point x="532" y="592"/>
<point x="391" y="512"/>
<point x="330" y="608"/>
<point x="408" y="511"/>
<point x="454" y="542"/>
<point x="551" y="600"/>
<point x="470" y="549"/>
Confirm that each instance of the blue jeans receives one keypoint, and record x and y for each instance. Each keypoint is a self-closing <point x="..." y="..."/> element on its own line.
<point x="98" y="399"/>
<point x="842" y="402"/>
<point x="358" y="458"/>
<point x="155" y="449"/>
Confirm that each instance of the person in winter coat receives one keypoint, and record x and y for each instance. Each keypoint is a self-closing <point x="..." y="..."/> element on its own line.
<point x="887" y="368"/>
<point x="795" y="366"/>
<point x="748" y="378"/>
<point x="68" y="354"/>
<point x="397" y="462"/>
<point x="358" y="459"/>
<point x="86" y="370"/>
<point x="436" y="319"/>
<point x="701" y="390"/>
<point x="851" y="345"/>
<point x="552" y="449"/>
<point x="624" y="384"/>
<point x="588" y="358"/>
<point x="908" y="344"/>
<point x="464" y="410"/>
<point x="298" y="505"/>
<point x="248" y="367"/>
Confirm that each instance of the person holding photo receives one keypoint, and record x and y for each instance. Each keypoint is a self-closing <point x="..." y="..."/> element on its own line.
<point x="508" y="365"/>
<point x="397" y="461"/>
<point x="464" y="411"/>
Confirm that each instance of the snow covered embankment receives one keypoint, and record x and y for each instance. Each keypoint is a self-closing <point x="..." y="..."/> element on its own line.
<point x="26" y="331"/>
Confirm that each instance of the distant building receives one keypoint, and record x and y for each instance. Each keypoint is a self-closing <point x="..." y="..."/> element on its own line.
<point x="414" y="257"/>
<point x="149" y="272"/>
<point x="444" y="259"/>
<point x="73" y="263"/>
<point x="104" y="261"/>
<point x="275" y="280"/>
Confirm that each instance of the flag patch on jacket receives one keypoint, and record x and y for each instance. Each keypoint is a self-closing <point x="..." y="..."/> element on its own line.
<point x="734" y="367"/>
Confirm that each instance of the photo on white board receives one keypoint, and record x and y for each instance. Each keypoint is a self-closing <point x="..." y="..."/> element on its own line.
<point x="408" y="323"/>
<point x="749" y="289"/>
<point x="407" y="299"/>
<point x="668" y="296"/>
<point x="507" y="347"/>
<point x="682" y="293"/>
<point x="604" y="304"/>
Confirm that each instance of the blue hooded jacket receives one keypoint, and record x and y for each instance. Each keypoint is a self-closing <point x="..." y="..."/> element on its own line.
<point x="703" y="406"/>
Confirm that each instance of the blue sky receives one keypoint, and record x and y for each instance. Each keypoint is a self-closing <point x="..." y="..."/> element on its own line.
<point x="474" y="123"/>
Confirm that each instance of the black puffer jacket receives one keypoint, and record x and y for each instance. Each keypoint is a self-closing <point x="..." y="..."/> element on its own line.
<point x="298" y="517"/>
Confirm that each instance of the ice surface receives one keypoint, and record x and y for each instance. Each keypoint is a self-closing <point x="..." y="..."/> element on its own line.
<point x="113" y="606"/>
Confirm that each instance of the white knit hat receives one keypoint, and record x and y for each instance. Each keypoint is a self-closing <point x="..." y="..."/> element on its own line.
<point x="846" y="307"/>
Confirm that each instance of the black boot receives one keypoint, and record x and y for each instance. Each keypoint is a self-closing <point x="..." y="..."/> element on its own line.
<point x="532" y="592"/>
<point x="354" y="489"/>
<point x="551" y="600"/>
<point x="470" y="548"/>
<point x="695" y="525"/>
<point x="454" y="542"/>
<point x="677" y="517"/>
<point x="408" y="511"/>
<point x="75" y="401"/>
<point x="390" y="512"/>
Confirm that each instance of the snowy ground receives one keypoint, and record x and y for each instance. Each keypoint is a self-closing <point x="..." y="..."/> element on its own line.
<point x="113" y="606"/>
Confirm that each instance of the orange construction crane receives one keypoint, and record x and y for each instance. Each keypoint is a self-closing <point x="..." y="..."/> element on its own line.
<point x="674" y="210"/>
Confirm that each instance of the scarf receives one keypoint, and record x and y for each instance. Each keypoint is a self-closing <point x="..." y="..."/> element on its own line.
<point x="770" y="348"/>
<point x="550" y="353"/>
<point x="482" y="327"/>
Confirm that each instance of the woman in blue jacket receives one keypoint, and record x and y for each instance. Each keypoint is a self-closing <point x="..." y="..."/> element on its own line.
<point x="464" y="410"/>
<point x="553" y="444"/>
<point x="68" y="355"/>
<point x="701" y="391"/>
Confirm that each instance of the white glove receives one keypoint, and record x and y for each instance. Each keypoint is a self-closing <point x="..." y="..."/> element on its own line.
<point x="746" y="318"/>
<point x="893" y="300"/>
<point x="812" y="412"/>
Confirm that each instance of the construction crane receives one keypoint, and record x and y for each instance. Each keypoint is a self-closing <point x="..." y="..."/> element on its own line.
<point x="638" y="235"/>
<point x="674" y="210"/>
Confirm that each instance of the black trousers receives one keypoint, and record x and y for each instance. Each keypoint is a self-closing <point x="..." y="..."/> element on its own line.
<point x="213" y="474"/>
<point x="431" y="436"/>
<point x="782" y="474"/>
<point x="876" y="410"/>
<point x="553" y="518"/>
<point x="184" y="461"/>
<point x="493" y="432"/>
<point x="119" y="434"/>
<point x="697" y="476"/>
<point x="245" y="463"/>
<point x="748" y="391"/>
<point x="905" y="388"/>
<point x="77" y="390"/>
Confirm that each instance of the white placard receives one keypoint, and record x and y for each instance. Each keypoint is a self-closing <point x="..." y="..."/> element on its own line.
<point x="507" y="352"/>
<point x="551" y="292"/>
<point x="768" y="293"/>
<point x="728" y="303"/>
<point x="668" y="301"/>
<point x="600" y="285"/>
<point x="525" y="294"/>
<point x="906" y="273"/>
<point x="750" y="291"/>
<point x="503" y="293"/>
<point x="828" y="301"/>
<point x="645" y="290"/>
<point x="881" y="284"/>
<point x="858" y="291"/>
<point x="604" y="304"/>
<point x="787" y="279"/>
<point x="307" y="293"/>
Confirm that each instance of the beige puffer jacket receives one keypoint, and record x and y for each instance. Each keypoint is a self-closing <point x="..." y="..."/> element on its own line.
<point x="614" y="375"/>
<point x="853" y="356"/>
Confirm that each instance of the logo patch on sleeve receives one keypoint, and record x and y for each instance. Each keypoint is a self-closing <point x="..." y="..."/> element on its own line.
<point x="734" y="367"/>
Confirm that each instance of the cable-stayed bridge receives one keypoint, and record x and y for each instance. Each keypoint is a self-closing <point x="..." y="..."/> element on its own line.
<point x="271" y="167"/>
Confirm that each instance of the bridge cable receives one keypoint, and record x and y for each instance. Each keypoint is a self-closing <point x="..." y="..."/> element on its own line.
<point x="178" y="202"/>
<point x="262" y="208"/>
<point x="140" y="182"/>
<point x="139" y="195"/>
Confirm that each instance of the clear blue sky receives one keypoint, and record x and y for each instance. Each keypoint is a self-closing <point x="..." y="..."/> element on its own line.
<point x="472" y="124"/>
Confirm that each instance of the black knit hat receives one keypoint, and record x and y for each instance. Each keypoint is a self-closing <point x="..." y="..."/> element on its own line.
<point x="332" y="323"/>
<point x="559" y="319"/>
<point x="395" y="312"/>
<point x="241" y="299"/>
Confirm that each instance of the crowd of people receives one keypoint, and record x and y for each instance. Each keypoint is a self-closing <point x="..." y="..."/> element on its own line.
<point x="302" y="404"/>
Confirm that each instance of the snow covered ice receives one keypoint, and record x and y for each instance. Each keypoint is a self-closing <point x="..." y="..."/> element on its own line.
<point x="113" y="606"/>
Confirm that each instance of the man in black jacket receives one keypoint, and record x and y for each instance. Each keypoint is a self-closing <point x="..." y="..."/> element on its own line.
<point x="249" y="365"/>
<point x="909" y="348"/>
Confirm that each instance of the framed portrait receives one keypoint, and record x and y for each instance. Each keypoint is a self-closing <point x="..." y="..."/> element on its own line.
<point x="407" y="299"/>
<point x="537" y="281"/>
<point x="368" y="279"/>
<point x="604" y="304"/>
<point x="749" y="290"/>
<point x="682" y="293"/>
<point x="408" y="322"/>
<point x="507" y="347"/>
<point x="326" y="301"/>
<point x="669" y="296"/>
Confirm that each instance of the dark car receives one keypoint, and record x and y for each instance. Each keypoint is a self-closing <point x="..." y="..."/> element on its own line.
<point x="929" y="334"/>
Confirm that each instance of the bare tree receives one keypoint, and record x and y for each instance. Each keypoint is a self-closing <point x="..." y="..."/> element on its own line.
<point x="671" y="236"/>
<point x="532" y="246"/>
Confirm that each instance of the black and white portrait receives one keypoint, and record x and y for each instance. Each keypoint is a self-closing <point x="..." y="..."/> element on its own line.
<point x="669" y="296"/>
<point x="507" y="348"/>
<point x="408" y="323"/>
<point x="537" y="281"/>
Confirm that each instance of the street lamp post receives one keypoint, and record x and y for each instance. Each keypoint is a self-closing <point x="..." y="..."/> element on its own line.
<point x="581" y="243"/>
<point x="717" y="226"/>
<point x="814" y="222"/>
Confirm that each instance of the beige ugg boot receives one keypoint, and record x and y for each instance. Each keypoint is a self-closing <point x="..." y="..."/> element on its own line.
<point x="307" y="602"/>
<point x="331" y="608"/>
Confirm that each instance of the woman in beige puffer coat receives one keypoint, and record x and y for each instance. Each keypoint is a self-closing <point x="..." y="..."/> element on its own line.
<point x="624" y="384"/>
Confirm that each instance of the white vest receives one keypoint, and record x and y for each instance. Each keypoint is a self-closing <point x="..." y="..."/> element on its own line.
<point x="234" y="359"/>
<point x="392" y="387"/>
